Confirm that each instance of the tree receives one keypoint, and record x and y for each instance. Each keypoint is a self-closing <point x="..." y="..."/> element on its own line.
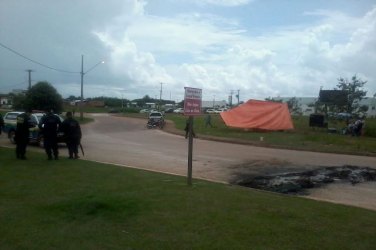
<point x="43" y="96"/>
<point x="18" y="101"/>
<point x="355" y="92"/>
<point x="272" y="99"/>
<point x="294" y="106"/>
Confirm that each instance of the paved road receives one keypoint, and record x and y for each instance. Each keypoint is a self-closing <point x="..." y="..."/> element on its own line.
<point x="127" y="141"/>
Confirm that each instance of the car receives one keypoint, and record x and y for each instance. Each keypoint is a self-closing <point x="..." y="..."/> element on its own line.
<point x="179" y="111"/>
<point x="344" y="116"/>
<point x="210" y="111"/>
<point x="169" y="110"/>
<point x="156" y="119"/>
<point x="155" y="115"/>
<point x="35" y="136"/>
<point x="144" y="111"/>
<point x="217" y="111"/>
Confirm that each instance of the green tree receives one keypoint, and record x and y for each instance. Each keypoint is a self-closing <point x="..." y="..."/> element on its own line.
<point x="18" y="101"/>
<point x="272" y="99"/>
<point x="43" y="96"/>
<point x="294" y="106"/>
<point x="355" y="92"/>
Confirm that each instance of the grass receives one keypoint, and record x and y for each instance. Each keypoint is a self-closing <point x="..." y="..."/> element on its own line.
<point x="69" y="204"/>
<point x="302" y="137"/>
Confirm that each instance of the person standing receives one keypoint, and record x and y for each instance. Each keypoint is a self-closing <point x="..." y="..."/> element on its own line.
<point x="72" y="133"/>
<point x="187" y="125"/>
<point x="1" y="124"/>
<point x="22" y="134"/>
<point x="208" y="121"/>
<point x="49" y="126"/>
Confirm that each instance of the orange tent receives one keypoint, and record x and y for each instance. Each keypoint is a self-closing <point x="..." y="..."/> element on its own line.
<point x="259" y="115"/>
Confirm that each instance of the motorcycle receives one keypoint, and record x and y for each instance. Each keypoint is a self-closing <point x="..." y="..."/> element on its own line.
<point x="155" y="123"/>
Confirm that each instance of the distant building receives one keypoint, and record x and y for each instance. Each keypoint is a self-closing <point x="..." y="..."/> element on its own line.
<point x="5" y="101"/>
<point x="213" y="104"/>
<point x="150" y="105"/>
<point x="370" y="102"/>
<point x="307" y="104"/>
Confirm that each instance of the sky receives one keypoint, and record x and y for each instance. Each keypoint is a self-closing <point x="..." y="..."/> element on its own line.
<point x="259" y="48"/>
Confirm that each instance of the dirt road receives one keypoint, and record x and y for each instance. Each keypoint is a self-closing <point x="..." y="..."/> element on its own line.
<point x="127" y="141"/>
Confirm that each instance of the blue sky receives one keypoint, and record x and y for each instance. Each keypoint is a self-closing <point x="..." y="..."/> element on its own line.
<point x="262" y="48"/>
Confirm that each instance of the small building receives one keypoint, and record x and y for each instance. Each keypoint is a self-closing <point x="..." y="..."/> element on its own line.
<point x="307" y="104"/>
<point x="5" y="101"/>
<point x="150" y="105"/>
<point x="213" y="104"/>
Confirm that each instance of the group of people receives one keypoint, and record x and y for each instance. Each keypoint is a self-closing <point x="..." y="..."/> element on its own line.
<point x="355" y="128"/>
<point x="1" y="123"/>
<point x="49" y="126"/>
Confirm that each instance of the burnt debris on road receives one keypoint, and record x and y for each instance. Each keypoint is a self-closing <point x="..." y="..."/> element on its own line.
<point x="300" y="182"/>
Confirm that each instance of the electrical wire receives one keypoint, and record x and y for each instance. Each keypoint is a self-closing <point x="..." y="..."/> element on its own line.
<point x="41" y="64"/>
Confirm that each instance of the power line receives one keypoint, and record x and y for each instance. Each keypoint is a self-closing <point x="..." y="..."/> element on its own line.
<point x="41" y="64"/>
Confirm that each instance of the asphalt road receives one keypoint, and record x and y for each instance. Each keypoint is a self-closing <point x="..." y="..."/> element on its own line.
<point x="127" y="141"/>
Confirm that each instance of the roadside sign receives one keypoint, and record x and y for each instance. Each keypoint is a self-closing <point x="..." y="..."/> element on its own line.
<point x="192" y="106"/>
<point x="192" y="101"/>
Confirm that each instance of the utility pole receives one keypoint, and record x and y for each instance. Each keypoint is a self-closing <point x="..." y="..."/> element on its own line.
<point x="29" y="70"/>
<point x="238" y="96"/>
<point x="82" y="88"/>
<point x="230" y="98"/>
<point x="160" y="98"/>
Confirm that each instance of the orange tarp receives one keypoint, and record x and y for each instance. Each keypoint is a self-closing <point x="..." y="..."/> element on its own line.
<point x="259" y="115"/>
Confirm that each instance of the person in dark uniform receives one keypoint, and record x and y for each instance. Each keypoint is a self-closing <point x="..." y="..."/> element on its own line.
<point x="72" y="133"/>
<point x="1" y="124"/>
<point x="22" y="134"/>
<point x="187" y="125"/>
<point x="49" y="126"/>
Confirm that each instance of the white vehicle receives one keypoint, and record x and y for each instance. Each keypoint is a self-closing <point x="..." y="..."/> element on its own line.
<point x="220" y="110"/>
<point x="179" y="111"/>
<point x="144" y="111"/>
<point x="211" y="111"/>
<point x="155" y="115"/>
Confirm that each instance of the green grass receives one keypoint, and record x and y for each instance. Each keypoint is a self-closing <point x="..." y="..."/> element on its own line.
<point x="69" y="204"/>
<point x="301" y="138"/>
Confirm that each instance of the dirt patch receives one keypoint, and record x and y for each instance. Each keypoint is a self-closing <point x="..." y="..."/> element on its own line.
<point x="301" y="182"/>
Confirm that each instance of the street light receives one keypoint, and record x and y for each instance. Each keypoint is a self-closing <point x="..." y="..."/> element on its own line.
<point x="82" y="83"/>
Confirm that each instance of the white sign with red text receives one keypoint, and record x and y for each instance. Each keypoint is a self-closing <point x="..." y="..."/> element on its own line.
<point x="192" y="101"/>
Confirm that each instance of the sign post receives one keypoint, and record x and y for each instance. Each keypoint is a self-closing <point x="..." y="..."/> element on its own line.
<point x="192" y="106"/>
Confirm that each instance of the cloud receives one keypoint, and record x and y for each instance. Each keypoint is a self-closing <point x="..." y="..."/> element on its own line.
<point x="216" y="54"/>
<point x="192" y="46"/>
<point x="227" y="3"/>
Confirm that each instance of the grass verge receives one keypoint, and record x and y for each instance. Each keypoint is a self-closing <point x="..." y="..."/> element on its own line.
<point x="79" y="204"/>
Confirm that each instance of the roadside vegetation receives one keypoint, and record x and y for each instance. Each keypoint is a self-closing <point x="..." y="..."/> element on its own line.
<point x="85" y="205"/>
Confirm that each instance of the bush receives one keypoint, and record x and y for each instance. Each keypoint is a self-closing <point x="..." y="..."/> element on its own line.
<point x="370" y="127"/>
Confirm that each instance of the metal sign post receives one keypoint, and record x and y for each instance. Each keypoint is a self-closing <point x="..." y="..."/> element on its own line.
<point x="192" y="106"/>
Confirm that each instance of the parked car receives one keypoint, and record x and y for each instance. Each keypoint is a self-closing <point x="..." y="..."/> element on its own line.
<point x="169" y="110"/>
<point x="217" y="111"/>
<point x="144" y="111"/>
<point x="35" y="135"/>
<point x="210" y="111"/>
<point x="179" y="111"/>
